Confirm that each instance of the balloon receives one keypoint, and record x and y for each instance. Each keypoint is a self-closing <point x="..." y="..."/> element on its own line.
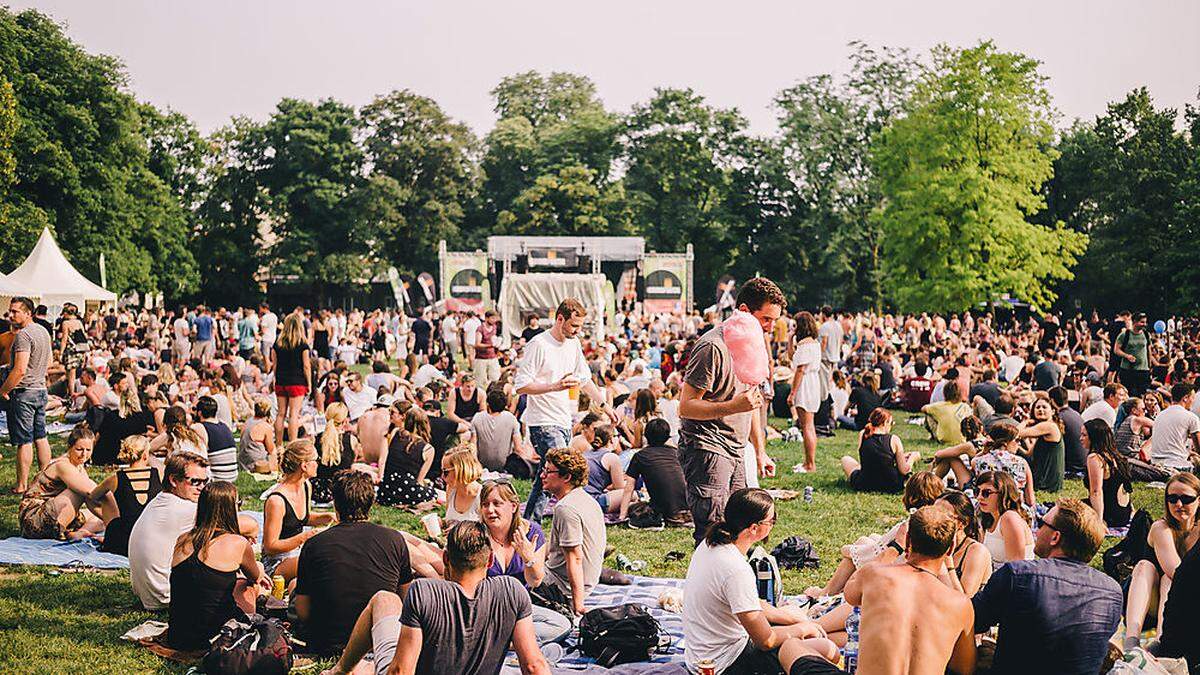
<point x="748" y="347"/>
<point x="1160" y="327"/>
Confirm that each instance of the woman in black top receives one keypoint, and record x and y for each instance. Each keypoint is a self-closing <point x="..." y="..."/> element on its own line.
<point x="124" y="494"/>
<point x="883" y="464"/>
<point x="288" y="508"/>
<point x="293" y="376"/>
<point x="1108" y="478"/>
<point x="864" y="398"/>
<point x="320" y="335"/>
<point x="406" y="460"/>
<point x="128" y="419"/>
<point x="338" y="449"/>
<point x="204" y="568"/>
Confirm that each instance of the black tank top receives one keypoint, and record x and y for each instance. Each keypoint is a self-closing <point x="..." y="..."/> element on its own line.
<point x="404" y="454"/>
<point x="289" y="365"/>
<point x="132" y="500"/>
<point x="879" y="470"/>
<point x="465" y="409"/>
<point x="292" y="525"/>
<point x="201" y="602"/>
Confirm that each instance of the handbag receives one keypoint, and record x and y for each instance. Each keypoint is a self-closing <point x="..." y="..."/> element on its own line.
<point x="253" y="645"/>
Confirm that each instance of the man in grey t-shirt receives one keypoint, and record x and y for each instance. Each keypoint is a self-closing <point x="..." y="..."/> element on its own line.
<point x="497" y="432"/>
<point x="458" y="626"/>
<point x="719" y="415"/>
<point x="23" y="392"/>
<point x="577" y="533"/>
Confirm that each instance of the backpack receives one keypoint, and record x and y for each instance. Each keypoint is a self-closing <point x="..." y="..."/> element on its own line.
<point x="796" y="553"/>
<point x="642" y="516"/>
<point x="766" y="573"/>
<point x="252" y="645"/>
<point x="1125" y="554"/>
<point x="619" y="634"/>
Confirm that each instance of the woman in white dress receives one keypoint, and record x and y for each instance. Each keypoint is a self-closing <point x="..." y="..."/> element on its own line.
<point x="806" y="385"/>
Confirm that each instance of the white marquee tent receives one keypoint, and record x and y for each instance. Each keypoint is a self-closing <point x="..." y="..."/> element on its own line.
<point x="47" y="276"/>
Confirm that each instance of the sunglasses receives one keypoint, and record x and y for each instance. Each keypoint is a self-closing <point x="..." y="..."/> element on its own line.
<point x="1181" y="499"/>
<point x="1042" y="522"/>
<point x="987" y="492"/>
<point x="196" y="482"/>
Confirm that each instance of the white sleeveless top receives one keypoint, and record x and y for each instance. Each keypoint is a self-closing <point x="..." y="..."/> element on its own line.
<point x="453" y="514"/>
<point x="994" y="542"/>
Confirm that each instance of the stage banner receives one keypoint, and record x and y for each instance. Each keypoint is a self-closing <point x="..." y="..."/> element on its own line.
<point x="554" y="258"/>
<point x="666" y="277"/>
<point x="464" y="279"/>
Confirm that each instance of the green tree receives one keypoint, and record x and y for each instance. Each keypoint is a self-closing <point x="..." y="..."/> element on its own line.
<point x="961" y="175"/>
<point x="423" y="179"/>
<point x="827" y="126"/>
<point x="8" y="130"/>
<point x="681" y="153"/>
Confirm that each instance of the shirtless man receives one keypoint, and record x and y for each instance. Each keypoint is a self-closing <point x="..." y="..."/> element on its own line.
<point x="372" y="429"/>
<point x="913" y="622"/>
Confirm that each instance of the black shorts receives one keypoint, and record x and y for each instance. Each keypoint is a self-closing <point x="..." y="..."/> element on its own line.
<point x="814" y="665"/>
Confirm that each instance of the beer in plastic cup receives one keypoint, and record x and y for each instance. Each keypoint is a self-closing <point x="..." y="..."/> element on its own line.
<point x="573" y="393"/>
<point x="433" y="524"/>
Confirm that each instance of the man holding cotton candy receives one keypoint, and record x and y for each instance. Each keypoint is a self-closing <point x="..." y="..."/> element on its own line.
<point x="720" y="401"/>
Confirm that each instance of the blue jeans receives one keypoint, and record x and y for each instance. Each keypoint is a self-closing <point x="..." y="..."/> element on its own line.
<point x="544" y="439"/>
<point x="26" y="415"/>
<point x="549" y="625"/>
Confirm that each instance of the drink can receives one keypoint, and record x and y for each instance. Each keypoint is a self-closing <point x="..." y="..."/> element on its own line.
<point x="433" y="524"/>
<point x="808" y="494"/>
<point x="706" y="667"/>
<point x="277" y="586"/>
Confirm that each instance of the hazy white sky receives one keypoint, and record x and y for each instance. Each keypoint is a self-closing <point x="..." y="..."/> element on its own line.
<point x="213" y="59"/>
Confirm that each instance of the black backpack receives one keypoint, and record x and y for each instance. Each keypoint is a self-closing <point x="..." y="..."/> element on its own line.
<point x="1120" y="560"/>
<point x="619" y="634"/>
<point x="796" y="553"/>
<point x="252" y="645"/>
<point x="642" y="516"/>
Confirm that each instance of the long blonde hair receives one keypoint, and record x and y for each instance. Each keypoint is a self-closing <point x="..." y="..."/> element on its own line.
<point x="166" y="374"/>
<point x="129" y="402"/>
<point x="464" y="465"/>
<point x="331" y="437"/>
<point x="292" y="335"/>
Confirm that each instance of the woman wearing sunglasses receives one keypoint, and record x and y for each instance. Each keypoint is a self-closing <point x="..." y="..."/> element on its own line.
<point x="1006" y="533"/>
<point x="1170" y="538"/>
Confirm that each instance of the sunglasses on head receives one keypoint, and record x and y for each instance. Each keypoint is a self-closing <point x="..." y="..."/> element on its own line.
<point x="1181" y="499"/>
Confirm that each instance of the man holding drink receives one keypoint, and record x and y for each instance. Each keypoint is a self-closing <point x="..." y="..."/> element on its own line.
<point x="551" y="373"/>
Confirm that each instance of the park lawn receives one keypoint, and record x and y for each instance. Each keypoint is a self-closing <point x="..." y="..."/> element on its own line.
<point x="52" y="622"/>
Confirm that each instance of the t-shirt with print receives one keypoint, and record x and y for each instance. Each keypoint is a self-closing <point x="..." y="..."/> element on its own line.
<point x="461" y="635"/>
<point x="35" y="340"/>
<point x="710" y="368"/>
<point x="1171" y="440"/>
<point x="720" y="585"/>
<point x="578" y="521"/>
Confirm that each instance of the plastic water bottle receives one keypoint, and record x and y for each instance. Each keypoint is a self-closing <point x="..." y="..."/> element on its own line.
<point x="766" y="580"/>
<point x="850" y="651"/>
<point x="808" y="494"/>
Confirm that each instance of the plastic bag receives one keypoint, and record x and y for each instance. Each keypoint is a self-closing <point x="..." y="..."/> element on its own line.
<point x="748" y="347"/>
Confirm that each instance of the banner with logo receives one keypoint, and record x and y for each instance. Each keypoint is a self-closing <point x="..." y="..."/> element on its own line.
<point x="464" y="279"/>
<point x="667" y="281"/>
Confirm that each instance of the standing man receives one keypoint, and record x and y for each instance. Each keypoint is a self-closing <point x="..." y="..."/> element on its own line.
<point x="450" y="334"/>
<point x="1132" y="349"/>
<point x="830" y="335"/>
<point x="551" y="374"/>
<point x="469" y="328"/>
<point x="487" y="363"/>
<point x="203" y="347"/>
<point x="24" y="390"/>
<point x="181" y="343"/>
<point x="268" y="328"/>
<point x="719" y="415"/>
<point x="247" y="330"/>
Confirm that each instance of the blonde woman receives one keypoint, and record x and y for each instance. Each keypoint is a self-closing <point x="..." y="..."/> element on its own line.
<point x="461" y="470"/>
<point x="123" y="495"/>
<point x="337" y="449"/>
<point x="178" y="436"/>
<point x="52" y="507"/>
<point x="167" y="381"/>
<point x="293" y="376"/>
<point x="288" y="508"/>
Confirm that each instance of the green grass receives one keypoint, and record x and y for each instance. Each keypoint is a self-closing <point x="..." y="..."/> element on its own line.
<point x="51" y="623"/>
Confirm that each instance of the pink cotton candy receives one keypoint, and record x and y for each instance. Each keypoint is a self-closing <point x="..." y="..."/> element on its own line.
<point x="748" y="347"/>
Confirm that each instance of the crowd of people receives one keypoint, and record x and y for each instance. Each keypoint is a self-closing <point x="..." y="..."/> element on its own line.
<point x="648" y="425"/>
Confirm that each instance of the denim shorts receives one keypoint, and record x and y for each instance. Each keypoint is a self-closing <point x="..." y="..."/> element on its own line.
<point x="26" y="415"/>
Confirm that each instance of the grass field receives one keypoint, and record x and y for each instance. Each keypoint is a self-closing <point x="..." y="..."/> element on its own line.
<point x="59" y="623"/>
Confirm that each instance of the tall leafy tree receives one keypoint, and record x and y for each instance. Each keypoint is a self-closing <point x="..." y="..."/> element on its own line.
<point x="961" y="175"/>
<point x="8" y="163"/>
<point x="681" y="153"/>
<point x="423" y="177"/>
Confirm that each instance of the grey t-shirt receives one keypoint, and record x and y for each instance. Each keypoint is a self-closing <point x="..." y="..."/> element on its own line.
<point x="35" y="340"/>
<point x="462" y="635"/>
<point x="710" y="367"/>
<point x="493" y="437"/>
<point x="832" y="335"/>
<point x="578" y="521"/>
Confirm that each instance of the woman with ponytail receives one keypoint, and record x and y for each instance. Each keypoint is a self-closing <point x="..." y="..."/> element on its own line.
<point x="1000" y="454"/>
<point x="723" y="618"/>
<point x="883" y="465"/>
<point x="1108" y="479"/>
<point x="337" y="449"/>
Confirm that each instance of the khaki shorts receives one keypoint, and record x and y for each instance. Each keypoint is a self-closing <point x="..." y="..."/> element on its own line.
<point x="39" y="519"/>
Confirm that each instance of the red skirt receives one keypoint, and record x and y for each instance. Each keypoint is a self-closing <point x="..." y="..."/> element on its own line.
<point x="291" y="390"/>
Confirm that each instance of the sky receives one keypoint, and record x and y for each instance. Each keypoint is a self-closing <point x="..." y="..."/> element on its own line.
<point x="214" y="59"/>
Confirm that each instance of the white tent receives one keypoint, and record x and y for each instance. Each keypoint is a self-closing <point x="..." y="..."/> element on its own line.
<point x="46" y="275"/>
<point x="540" y="293"/>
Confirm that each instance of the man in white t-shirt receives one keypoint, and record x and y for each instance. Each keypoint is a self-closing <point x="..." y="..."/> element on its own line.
<point x="268" y="327"/>
<point x="1106" y="407"/>
<point x="181" y="344"/>
<point x="450" y="334"/>
<point x="551" y="373"/>
<point x="430" y="372"/>
<point x="723" y="618"/>
<point x="358" y="399"/>
<point x="469" y="328"/>
<point x="1176" y="435"/>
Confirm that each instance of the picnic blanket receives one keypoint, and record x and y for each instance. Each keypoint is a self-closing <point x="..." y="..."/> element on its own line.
<point x="642" y="590"/>
<point x="83" y="553"/>
<point x="53" y="428"/>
